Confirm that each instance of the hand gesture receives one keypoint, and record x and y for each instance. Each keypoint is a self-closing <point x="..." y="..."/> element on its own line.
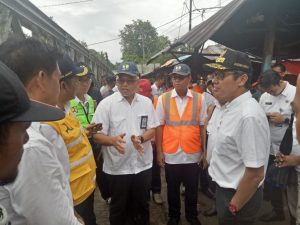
<point x="119" y="143"/>
<point x="275" y="117"/>
<point x="136" y="141"/>
<point x="160" y="158"/>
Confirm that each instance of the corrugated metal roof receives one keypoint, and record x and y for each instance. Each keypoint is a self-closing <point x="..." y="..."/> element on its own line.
<point x="202" y="32"/>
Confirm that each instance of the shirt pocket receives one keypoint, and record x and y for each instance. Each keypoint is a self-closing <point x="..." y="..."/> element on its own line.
<point x="118" y="126"/>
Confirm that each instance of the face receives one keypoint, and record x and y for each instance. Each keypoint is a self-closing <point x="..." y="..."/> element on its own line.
<point x="84" y="84"/>
<point x="274" y="90"/>
<point x="71" y="87"/>
<point x="226" y="87"/>
<point x="180" y="83"/>
<point x="11" y="150"/>
<point x="278" y="70"/>
<point x="127" y="85"/>
<point x="51" y="87"/>
<point x="160" y="82"/>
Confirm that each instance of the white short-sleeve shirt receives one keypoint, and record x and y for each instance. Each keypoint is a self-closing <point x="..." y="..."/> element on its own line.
<point x="281" y="104"/>
<point x="180" y="157"/>
<point x="118" y="116"/>
<point x="242" y="139"/>
<point x="41" y="193"/>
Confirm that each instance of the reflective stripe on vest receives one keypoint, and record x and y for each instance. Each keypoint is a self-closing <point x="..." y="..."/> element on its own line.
<point x="184" y="130"/>
<point x="82" y="162"/>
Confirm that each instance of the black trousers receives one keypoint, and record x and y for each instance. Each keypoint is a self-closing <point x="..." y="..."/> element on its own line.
<point x="156" y="181"/>
<point x="129" y="198"/>
<point x="273" y="194"/>
<point x="188" y="174"/>
<point x="246" y="216"/>
<point x="86" y="210"/>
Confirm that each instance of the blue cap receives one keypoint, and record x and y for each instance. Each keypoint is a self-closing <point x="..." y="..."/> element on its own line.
<point x="128" y="68"/>
<point x="181" y="69"/>
<point x="68" y="68"/>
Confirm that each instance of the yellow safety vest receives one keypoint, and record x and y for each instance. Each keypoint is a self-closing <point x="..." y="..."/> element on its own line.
<point x="82" y="162"/>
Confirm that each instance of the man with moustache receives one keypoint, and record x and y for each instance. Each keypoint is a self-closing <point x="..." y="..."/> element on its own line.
<point x="241" y="141"/>
<point x="129" y="123"/>
<point x="180" y="138"/>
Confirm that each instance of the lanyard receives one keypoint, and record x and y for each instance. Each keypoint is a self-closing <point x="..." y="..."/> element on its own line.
<point x="86" y="113"/>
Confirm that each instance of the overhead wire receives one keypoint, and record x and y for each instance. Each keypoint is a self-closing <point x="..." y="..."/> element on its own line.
<point x="67" y="3"/>
<point x="183" y="11"/>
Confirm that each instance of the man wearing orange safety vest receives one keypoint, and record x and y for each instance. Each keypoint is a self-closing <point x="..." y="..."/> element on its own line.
<point x="180" y="140"/>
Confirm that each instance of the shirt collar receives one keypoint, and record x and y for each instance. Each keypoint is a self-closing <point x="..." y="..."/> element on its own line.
<point x="35" y="126"/>
<point x="86" y="99"/>
<point x="121" y="98"/>
<point x="188" y="94"/>
<point x="237" y="101"/>
<point x="285" y="91"/>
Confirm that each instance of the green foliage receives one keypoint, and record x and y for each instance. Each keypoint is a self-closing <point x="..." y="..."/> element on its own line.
<point x="140" y="41"/>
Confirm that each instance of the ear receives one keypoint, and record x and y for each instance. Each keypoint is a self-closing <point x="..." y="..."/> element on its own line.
<point x="243" y="80"/>
<point x="40" y="80"/>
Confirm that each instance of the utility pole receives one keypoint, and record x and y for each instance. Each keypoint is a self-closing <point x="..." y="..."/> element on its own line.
<point x="190" y="19"/>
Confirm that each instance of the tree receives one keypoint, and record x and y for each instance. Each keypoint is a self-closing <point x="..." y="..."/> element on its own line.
<point x="140" y="40"/>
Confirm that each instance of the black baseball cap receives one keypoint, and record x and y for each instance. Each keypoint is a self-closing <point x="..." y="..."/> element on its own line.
<point x="128" y="68"/>
<point x="231" y="60"/>
<point x="16" y="106"/>
<point x="86" y="69"/>
<point x="68" y="68"/>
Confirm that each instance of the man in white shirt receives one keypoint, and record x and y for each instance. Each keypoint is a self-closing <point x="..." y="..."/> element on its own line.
<point x="276" y="102"/>
<point x="157" y="87"/>
<point x="129" y="121"/>
<point x="180" y="138"/>
<point x="241" y="142"/>
<point x="41" y="193"/>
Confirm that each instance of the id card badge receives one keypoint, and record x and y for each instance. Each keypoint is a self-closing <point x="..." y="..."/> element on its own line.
<point x="144" y="122"/>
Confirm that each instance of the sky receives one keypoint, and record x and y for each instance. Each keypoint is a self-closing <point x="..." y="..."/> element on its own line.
<point x="100" y="20"/>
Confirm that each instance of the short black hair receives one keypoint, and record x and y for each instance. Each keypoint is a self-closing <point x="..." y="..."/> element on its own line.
<point x="269" y="78"/>
<point x="238" y="73"/>
<point x="281" y="66"/>
<point x="26" y="57"/>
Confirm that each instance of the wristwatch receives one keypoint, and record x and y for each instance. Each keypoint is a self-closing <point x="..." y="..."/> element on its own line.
<point x="141" y="138"/>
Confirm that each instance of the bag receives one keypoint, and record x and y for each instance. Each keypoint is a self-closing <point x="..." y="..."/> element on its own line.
<point x="276" y="176"/>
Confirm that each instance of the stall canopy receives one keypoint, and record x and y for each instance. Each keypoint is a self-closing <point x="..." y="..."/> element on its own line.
<point x="262" y="28"/>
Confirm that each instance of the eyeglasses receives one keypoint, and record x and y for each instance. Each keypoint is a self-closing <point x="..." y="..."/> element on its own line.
<point x="85" y="79"/>
<point x="127" y="81"/>
<point x="178" y="77"/>
<point x="220" y="75"/>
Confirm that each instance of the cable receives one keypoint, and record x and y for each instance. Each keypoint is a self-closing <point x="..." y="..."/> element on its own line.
<point x="67" y="3"/>
<point x="183" y="11"/>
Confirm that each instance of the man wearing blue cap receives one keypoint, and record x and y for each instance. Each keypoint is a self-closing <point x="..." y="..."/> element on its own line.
<point x="129" y="123"/>
<point x="180" y="138"/>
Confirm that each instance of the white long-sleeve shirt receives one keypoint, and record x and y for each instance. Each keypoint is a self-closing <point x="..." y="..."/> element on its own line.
<point x="41" y="193"/>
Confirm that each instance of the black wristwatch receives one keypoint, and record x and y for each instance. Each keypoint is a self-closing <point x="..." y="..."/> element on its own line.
<point x="287" y="121"/>
<point x="141" y="138"/>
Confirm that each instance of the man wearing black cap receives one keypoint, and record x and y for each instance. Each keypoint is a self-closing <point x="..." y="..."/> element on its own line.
<point x="180" y="138"/>
<point x="242" y="141"/>
<point x="82" y="162"/>
<point x="41" y="192"/>
<point x="129" y="123"/>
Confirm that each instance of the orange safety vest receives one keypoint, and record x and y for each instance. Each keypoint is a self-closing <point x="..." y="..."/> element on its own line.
<point x="184" y="131"/>
<point x="155" y="99"/>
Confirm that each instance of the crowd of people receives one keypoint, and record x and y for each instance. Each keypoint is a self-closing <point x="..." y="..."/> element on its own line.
<point x="60" y="138"/>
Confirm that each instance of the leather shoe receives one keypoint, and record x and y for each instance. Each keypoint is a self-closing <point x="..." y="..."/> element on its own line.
<point x="157" y="198"/>
<point x="194" y="221"/>
<point x="272" y="217"/>
<point x="173" y="221"/>
<point x="212" y="211"/>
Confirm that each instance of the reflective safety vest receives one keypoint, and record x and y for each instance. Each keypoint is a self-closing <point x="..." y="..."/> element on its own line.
<point x="82" y="162"/>
<point x="84" y="116"/>
<point x="181" y="131"/>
